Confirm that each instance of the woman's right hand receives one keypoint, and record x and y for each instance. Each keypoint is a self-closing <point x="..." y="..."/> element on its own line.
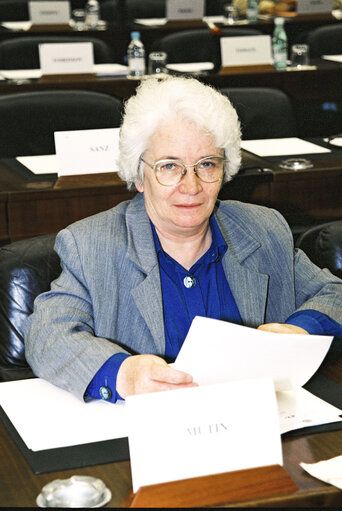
<point x="139" y="374"/>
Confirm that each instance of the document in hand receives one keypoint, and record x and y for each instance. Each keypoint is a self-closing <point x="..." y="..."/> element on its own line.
<point x="216" y="351"/>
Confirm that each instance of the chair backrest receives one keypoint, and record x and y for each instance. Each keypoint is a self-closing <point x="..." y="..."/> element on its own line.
<point x="29" y="120"/>
<point x="323" y="245"/>
<point x="326" y="40"/>
<point x="14" y="10"/>
<point x="23" y="52"/>
<point x="263" y="112"/>
<point x="197" y="45"/>
<point x="26" y="269"/>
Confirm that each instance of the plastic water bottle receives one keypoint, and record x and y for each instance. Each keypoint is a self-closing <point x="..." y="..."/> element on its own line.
<point x="136" y="56"/>
<point x="252" y="10"/>
<point x="279" y="45"/>
<point x="92" y="14"/>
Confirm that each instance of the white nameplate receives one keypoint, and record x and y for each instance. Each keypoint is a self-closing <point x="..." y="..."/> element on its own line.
<point x="314" y="6"/>
<point x="246" y="51"/>
<point x="184" y="9"/>
<point x="87" y="151"/>
<point x="66" y="58"/>
<point x="203" y="430"/>
<point x="45" y="12"/>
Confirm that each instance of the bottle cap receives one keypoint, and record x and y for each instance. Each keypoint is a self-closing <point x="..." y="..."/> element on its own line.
<point x="278" y="20"/>
<point x="135" y="35"/>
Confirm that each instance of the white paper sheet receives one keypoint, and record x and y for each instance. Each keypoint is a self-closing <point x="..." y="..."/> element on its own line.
<point x="329" y="471"/>
<point x="300" y="409"/>
<point x="200" y="431"/>
<point x="42" y="164"/>
<point x="217" y="351"/>
<point x="337" y="141"/>
<point x="282" y="147"/>
<point x="191" y="67"/>
<point x="334" y="58"/>
<point x="151" y="22"/>
<point x="47" y="417"/>
<point x="101" y="70"/>
<point x="17" y="25"/>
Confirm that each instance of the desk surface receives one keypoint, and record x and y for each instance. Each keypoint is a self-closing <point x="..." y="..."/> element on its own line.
<point x="20" y="487"/>
<point x="30" y="208"/>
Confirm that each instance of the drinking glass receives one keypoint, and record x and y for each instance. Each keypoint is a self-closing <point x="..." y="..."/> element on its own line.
<point x="157" y="62"/>
<point x="299" y="55"/>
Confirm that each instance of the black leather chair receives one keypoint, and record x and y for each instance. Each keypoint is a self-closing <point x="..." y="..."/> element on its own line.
<point x="197" y="45"/>
<point x="26" y="269"/>
<point x="263" y="112"/>
<point x="23" y="52"/>
<point x="326" y="40"/>
<point x="323" y="244"/>
<point x="14" y="10"/>
<point x="29" y="120"/>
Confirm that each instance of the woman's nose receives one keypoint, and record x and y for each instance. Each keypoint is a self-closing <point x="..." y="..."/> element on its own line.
<point x="190" y="182"/>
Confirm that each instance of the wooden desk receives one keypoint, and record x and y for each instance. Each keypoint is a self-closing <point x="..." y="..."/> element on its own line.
<point x="20" y="487"/>
<point x="31" y="208"/>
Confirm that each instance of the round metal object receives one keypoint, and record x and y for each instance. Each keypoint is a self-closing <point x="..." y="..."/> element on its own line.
<point x="296" y="164"/>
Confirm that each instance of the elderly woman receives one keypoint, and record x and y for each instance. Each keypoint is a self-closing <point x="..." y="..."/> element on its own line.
<point x="134" y="277"/>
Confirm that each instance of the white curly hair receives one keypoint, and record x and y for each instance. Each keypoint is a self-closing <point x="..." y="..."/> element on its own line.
<point x="158" y="102"/>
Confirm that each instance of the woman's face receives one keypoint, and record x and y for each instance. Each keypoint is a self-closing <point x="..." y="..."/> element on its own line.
<point x="185" y="208"/>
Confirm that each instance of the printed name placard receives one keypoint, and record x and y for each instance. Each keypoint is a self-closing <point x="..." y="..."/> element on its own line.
<point x="53" y="12"/>
<point x="66" y="58"/>
<point x="203" y="430"/>
<point x="184" y="9"/>
<point x="314" y="6"/>
<point x="246" y="50"/>
<point x="87" y="151"/>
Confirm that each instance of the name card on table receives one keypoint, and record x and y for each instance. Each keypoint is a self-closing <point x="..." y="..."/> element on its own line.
<point x="246" y="50"/>
<point x="314" y="6"/>
<point x="49" y="12"/>
<point x="66" y="58"/>
<point x="204" y="430"/>
<point x="87" y="151"/>
<point x="184" y="9"/>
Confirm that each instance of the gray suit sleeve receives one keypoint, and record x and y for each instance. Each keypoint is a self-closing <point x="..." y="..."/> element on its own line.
<point x="60" y="343"/>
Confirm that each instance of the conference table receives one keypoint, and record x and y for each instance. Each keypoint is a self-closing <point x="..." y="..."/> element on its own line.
<point x="31" y="206"/>
<point x="19" y="486"/>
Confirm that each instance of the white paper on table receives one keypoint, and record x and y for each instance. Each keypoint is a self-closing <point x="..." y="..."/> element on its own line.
<point x="282" y="147"/>
<point x="191" y="67"/>
<point x="334" y="58"/>
<point x="216" y="351"/>
<point x="329" y="471"/>
<point x="150" y="22"/>
<point x="47" y="417"/>
<point x="87" y="151"/>
<point x="41" y="164"/>
<point x="299" y="408"/>
<point x="246" y="50"/>
<point x="337" y="141"/>
<point x="202" y="430"/>
<point x="110" y="70"/>
<point x="17" y="25"/>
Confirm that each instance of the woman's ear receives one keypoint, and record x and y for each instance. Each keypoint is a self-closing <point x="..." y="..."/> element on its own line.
<point x="139" y="187"/>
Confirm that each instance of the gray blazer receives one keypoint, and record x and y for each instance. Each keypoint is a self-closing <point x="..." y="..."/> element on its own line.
<point x="108" y="296"/>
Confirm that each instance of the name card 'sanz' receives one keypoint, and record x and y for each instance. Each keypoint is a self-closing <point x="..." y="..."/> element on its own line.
<point x="87" y="151"/>
<point x="66" y="58"/>
<point x="246" y="50"/>
<point x="314" y="6"/>
<point x="184" y="9"/>
<point x="202" y="430"/>
<point x="47" y="12"/>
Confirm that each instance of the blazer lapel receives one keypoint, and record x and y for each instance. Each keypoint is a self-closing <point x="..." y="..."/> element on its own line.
<point x="147" y="294"/>
<point x="249" y="287"/>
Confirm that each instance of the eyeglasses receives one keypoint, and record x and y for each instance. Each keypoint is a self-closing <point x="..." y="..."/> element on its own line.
<point x="170" y="172"/>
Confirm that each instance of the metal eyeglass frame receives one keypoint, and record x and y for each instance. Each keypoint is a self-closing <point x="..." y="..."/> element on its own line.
<point x="194" y="165"/>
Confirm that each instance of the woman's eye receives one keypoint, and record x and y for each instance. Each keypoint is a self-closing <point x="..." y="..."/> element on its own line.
<point x="168" y="167"/>
<point x="208" y="164"/>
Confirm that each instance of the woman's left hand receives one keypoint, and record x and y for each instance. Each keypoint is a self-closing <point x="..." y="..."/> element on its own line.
<point x="282" y="328"/>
